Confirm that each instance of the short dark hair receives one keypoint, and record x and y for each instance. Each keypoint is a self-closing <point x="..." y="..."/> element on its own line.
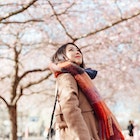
<point x="60" y="54"/>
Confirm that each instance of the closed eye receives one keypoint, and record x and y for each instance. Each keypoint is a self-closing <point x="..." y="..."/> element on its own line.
<point x="70" y="49"/>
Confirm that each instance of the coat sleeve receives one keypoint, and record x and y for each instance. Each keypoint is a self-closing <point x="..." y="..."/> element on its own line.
<point x="68" y="99"/>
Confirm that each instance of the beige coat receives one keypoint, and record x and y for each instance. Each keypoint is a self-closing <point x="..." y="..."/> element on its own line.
<point x="75" y="119"/>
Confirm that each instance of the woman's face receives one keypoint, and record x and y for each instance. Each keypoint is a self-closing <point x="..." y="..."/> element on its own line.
<point x="73" y="54"/>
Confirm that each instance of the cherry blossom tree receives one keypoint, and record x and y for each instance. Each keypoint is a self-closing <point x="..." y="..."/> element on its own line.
<point x="106" y="31"/>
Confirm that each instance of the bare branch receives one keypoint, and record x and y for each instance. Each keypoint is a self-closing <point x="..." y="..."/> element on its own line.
<point x="107" y="27"/>
<point x="70" y="36"/>
<point x="39" y="92"/>
<point x="39" y="81"/>
<point x="7" y="58"/>
<point x="5" y="76"/>
<point x="18" y="11"/>
<point x="22" y="22"/>
<point x="31" y="71"/>
<point x="65" y="11"/>
<point x="4" y="101"/>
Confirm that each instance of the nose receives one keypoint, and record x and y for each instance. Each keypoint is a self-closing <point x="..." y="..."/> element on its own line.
<point x="77" y="52"/>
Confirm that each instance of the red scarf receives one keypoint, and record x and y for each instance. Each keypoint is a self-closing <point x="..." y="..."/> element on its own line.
<point x="109" y="128"/>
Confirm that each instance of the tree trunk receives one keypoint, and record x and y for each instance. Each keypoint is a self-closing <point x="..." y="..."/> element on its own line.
<point x="13" y="119"/>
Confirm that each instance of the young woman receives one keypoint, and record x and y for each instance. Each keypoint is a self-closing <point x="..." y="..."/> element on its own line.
<point x="80" y="113"/>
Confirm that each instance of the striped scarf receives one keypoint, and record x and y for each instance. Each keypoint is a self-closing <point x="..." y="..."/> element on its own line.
<point x="109" y="128"/>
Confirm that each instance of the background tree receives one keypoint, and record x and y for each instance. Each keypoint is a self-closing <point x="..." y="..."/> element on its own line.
<point x="18" y="80"/>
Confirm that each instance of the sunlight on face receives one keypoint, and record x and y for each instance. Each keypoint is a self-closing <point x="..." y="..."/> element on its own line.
<point x="74" y="55"/>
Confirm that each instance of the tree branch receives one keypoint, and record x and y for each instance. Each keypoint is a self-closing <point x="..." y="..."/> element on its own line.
<point x="22" y="22"/>
<point x="4" y="101"/>
<point x="31" y="71"/>
<point x="70" y="36"/>
<point x="18" y="11"/>
<point x="108" y="26"/>
<point x="36" y="82"/>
